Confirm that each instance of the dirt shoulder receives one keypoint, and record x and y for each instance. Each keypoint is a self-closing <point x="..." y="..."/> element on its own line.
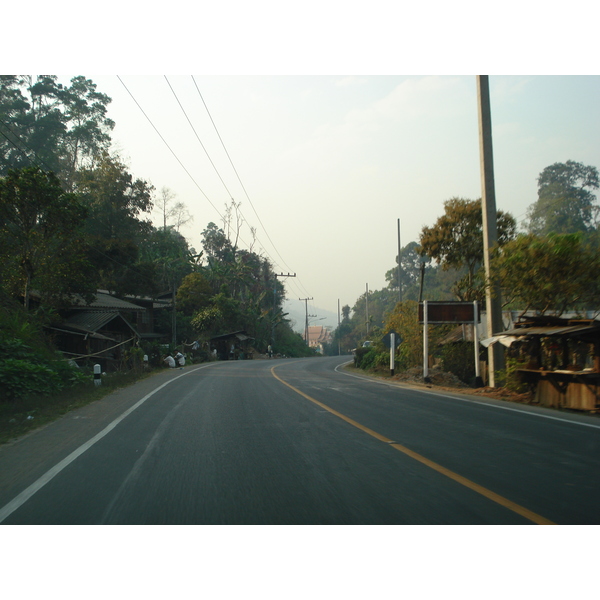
<point x="444" y="381"/>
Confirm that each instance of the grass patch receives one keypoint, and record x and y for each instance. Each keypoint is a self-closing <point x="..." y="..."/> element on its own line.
<point x="32" y="412"/>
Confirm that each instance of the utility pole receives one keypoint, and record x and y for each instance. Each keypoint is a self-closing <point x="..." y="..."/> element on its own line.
<point x="276" y="275"/>
<point x="338" y="331"/>
<point x="493" y="300"/>
<point x="305" y="300"/>
<point x="399" y="269"/>
<point x="367" y="308"/>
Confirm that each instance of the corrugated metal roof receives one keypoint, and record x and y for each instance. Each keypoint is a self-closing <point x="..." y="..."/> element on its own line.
<point x="92" y="321"/>
<point x="550" y="330"/>
<point x="106" y="301"/>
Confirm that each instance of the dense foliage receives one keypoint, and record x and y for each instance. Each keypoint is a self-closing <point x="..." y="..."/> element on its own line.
<point x="73" y="220"/>
<point x="551" y="269"/>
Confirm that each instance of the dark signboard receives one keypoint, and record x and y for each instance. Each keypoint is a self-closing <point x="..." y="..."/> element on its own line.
<point x="449" y="312"/>
<point x="387" y="339"/>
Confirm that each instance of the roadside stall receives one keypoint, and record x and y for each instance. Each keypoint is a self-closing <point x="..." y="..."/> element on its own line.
<point x="233" y="346"/>
<point x="561" y="360"/>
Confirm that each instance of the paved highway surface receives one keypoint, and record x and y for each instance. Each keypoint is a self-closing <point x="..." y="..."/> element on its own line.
<point x="301" y="441"/>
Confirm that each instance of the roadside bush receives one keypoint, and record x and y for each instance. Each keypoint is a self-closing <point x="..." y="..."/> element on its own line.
<point x="510" y="378"/>
<point x="20" y="377"/>
<point x="370" y="358"/>
<point x="359" y="355"/>
<point x="25" y="370"/>
<point x="458" y="358"/>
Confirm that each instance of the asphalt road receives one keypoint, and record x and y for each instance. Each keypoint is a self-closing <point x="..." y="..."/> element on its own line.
<point x="301" y="442"/>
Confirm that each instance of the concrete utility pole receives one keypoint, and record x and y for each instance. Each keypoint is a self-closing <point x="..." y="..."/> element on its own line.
<point x="305" y="300"/>
<point x="338" y="331"/>
<point x="367" y="308"/>
<point x="493" y="300"/>
<point x="399" y="268"/>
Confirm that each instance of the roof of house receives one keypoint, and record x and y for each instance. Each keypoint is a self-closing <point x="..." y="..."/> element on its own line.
<point x="240" y="335"/>
<point x="104" y="301"/>
<point x="93" y="321"/>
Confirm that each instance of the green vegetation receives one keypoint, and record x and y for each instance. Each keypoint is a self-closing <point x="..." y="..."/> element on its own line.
<point x="34" y="410"/>
<point x="74" y="219"/>
<point x="552" y="268"/>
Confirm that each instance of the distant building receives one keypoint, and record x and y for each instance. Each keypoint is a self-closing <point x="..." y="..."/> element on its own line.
<point x="318" y="336"/>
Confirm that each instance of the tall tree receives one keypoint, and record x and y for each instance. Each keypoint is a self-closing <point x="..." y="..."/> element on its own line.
<point x="456" y="241"/>
<point x="566" y="203"/>
<point x="173" y="214"/>
<point x="554" y="273"/>
<point x="41" y="236"/>
<point x="115" y="226"/>
<point x="44" y="123"/>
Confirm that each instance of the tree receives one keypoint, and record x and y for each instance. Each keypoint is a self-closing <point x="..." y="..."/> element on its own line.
<point x="456" y="241"/>
<point x="553" y="273"/>
<point x="60" y="128"/>
<point x="115" y="202"/>
<point x="565" y="200"/>
<point x="41" y="228"/>
<point x="194" y="293"/>
<point x="176" y="214"/>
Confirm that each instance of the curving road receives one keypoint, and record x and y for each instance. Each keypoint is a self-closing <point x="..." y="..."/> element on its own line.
<point x="301" y="442"/>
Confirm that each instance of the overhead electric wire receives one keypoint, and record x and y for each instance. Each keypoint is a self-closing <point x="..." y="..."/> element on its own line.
<point x="240" y="180"/>
<point x="208" y="156"/>
<point x="176" y="157"/>
<point x="215" y="168"/>
<point x="189" y="174"/>
<point x="198" y="138"/>
<point x="236" y="172"/>
<point x="169" y="147"/>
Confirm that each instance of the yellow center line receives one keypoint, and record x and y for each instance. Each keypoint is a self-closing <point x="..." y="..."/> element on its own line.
<point x="516" y="508"/>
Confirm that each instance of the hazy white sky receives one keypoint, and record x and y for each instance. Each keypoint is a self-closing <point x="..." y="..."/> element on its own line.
<point x="329" y="163"/>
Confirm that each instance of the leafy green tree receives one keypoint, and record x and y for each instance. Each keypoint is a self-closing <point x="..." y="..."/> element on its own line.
<point x="116" y="203"/>
<point x="553" y="273"/>
<point x="60" y="128"/>
<point x="41" y="236"/>
<point x="194" y="293"/>
<point x="456" y="242"/>
<point x="566" y="203"/>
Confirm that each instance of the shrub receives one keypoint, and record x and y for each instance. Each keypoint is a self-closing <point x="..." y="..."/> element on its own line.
<point x="458" y="358"/>
<point x="20" y="377"/>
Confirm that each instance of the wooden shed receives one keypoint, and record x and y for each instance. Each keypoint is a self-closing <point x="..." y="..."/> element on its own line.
<point x="562" y="360"/>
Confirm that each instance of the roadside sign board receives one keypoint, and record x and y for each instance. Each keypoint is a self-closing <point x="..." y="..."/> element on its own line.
<point x="387" y="339"/>
<point x="449" y="312"/>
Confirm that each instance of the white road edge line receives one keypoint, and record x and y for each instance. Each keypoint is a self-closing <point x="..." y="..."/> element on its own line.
<point x="19" y="500"/>
<point x="523" y="412"/>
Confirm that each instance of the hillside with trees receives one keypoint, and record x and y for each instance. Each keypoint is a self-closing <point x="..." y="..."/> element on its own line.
<point x="551" y="267"/>
<point x="75" y="220"/>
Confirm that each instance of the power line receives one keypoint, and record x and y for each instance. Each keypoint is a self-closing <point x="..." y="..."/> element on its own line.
<point x="198" y="138"/>
<point x="217" y="171"/>
<point x="212" y="163"/>
<point x="238" y="176"/>
<point x="186" y="170"/>
<point x="169" y="147"/>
